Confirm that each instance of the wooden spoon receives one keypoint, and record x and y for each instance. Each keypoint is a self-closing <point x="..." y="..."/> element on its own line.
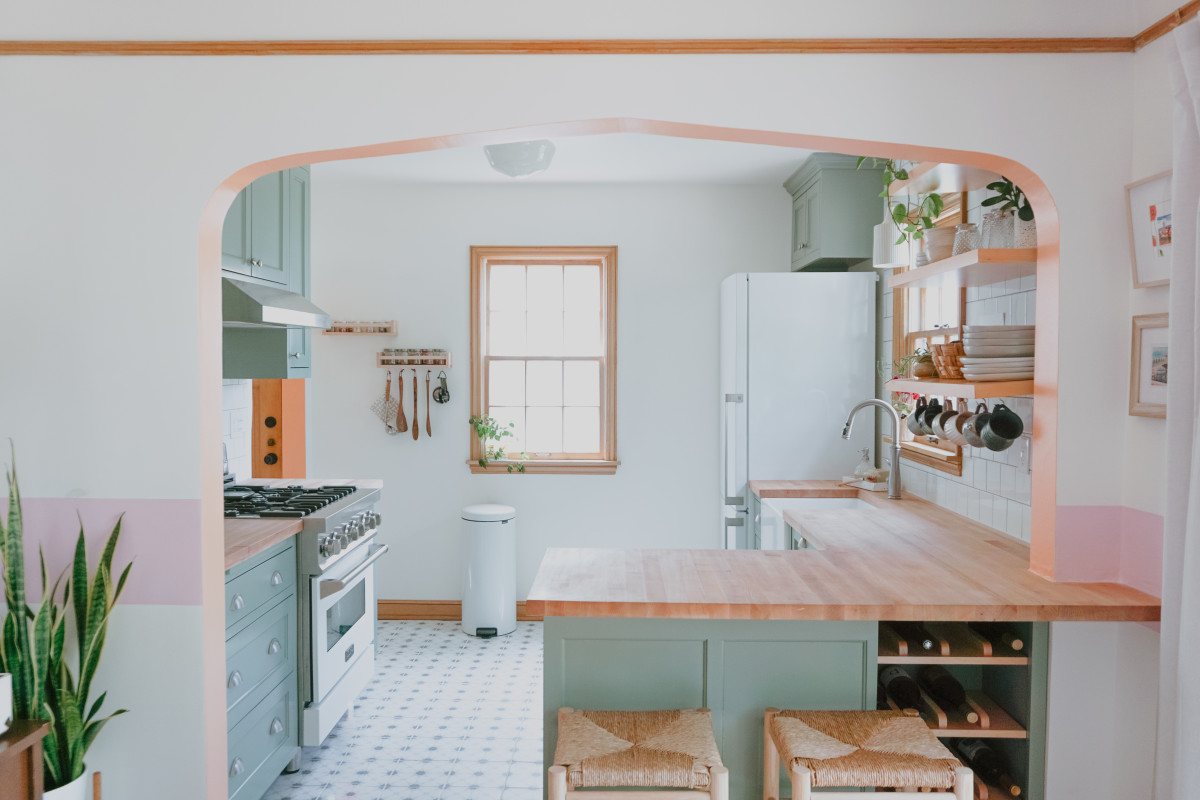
<point x="401" y="422"/>
<point x="416" y="419"/>
<point x="428" y="427"/>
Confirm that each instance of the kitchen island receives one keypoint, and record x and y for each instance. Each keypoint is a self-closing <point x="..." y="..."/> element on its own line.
<point x="737" y="631"/>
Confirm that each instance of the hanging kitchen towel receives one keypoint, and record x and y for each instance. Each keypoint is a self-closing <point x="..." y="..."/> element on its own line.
<point x="386" y="406"/>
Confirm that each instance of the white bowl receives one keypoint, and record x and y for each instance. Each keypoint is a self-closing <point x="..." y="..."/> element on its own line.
<point x="996" y="328"/>
<point x="978" y="361"/>
<point x="998" y="376"/>
<point x="1005" y="351"/>
<point x="989" y="341"/>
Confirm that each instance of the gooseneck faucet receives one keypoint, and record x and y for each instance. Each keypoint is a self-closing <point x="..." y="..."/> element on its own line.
<point x="894" y="472"/>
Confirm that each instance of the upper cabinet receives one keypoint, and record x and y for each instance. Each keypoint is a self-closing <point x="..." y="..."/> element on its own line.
<point x="835" y="206"/>
<point x="266" y="239"/>
<point x="255" y="238"/>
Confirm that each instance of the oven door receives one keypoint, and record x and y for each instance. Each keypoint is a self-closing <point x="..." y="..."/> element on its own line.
<point x="343" y="618"/>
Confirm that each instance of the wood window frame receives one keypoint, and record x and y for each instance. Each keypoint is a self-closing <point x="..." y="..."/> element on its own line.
<point x="604" y="462"/>
<point x="937" y="454"/>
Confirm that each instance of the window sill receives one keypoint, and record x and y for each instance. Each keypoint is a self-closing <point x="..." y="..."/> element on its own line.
<point x="546" y="467"/>
<point x="933" y="457"/>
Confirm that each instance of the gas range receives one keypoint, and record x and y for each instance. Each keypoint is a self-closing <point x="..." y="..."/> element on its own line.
<point x="255" y="502"/>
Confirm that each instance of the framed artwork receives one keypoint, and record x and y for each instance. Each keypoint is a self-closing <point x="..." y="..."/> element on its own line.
<point x="1148" y="203"/>
<point x="1148" y="376"/>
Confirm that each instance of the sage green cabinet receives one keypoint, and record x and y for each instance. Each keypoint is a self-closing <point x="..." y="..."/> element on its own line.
<point x="835" y="206"/>
<point x="267" y="239"/>
<point x="261" y="686"/>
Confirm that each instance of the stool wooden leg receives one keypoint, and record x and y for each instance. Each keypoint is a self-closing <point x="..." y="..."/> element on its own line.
<point x="556" y="783"/>
<point x="770" y="758"/>
<point x="718" y="783"/>
<point x="964" y="781"/>
<point x="801" y="783"/>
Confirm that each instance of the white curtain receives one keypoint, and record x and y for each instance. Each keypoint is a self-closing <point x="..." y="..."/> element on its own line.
<point x="1177" y="772"/>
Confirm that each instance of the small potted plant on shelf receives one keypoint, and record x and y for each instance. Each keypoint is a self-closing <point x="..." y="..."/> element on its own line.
<point x="489" y="430"/>
<point x="44" y="685"/>
<point x="1014" y="210"/>
<point x="918" y="364"/>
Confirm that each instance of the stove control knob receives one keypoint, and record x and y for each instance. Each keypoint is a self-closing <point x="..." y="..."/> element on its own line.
<point x="343" y="542"/>
<point x="357" y="530"/>
<point x="373" y="519"/>
<point x="333" y="545"/>
<point x="323" y="546"/>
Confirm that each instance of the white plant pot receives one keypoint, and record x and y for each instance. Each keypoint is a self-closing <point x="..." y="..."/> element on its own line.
<point x="75" y="790"/>
<point x="6" y="701"/>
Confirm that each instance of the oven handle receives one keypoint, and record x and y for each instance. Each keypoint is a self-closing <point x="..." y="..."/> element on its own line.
<point x="329" y="587"/>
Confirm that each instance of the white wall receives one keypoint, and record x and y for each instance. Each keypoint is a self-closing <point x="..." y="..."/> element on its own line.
<point x="389" y="251"/>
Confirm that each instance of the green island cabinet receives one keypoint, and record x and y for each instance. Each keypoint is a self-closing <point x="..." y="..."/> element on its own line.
<point x="835" y="207"/>
<point x="266" y="239"/>
<point x="261" y="688"/>
<point x="738" y="668"/>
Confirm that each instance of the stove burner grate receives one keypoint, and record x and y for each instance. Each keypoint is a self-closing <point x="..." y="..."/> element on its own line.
<point x="282" y="501"/>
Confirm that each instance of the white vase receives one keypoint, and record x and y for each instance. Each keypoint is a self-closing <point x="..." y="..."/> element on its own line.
<point x="75" y="790"/>
<point x="6" y="701"/>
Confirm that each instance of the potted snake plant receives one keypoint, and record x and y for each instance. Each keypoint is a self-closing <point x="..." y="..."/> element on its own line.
<point x="32" y="647"/>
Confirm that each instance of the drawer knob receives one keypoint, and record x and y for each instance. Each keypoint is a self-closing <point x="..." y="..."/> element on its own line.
<point x="238" y="603"/>
<point x="274" y="647"/>
<point x="276" y="578"/>
<point x="276" y="727"/>
<point x="235" y="680"/>
<point x="236" y="768"/>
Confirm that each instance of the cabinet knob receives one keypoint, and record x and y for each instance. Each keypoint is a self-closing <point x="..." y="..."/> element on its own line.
<point x="294" y="355"/>
<point x="274" y="647"/>
<point x="276" y="727"/>
<point x="238" y="603"/>
<point x="276" y="578"/>
<point x="235" y="680"/>
<point x="236" y="768"/>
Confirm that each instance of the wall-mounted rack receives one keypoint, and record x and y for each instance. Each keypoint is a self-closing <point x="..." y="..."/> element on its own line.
<point x="348" y="328"/>
<point x="413" y="357"/>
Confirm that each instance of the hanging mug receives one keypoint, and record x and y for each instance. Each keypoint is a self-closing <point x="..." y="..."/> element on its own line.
<point x="931" y="413"/>
<point x="954" y="428"/>
<point x="914" y="417"/>
<point x="943" y="421"/>
<point x="1003" y="428"/>
<point x="974" y="423"/>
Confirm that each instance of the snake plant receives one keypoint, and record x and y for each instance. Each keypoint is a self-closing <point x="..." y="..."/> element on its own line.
<point x="32" y="645"/>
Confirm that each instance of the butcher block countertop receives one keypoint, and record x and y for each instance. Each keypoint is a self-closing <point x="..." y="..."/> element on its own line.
<point x="245" y="538"/>
<point x="904" y="559"/>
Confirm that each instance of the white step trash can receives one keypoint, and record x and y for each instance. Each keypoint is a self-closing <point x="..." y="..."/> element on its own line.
<point x="489" y="606"/>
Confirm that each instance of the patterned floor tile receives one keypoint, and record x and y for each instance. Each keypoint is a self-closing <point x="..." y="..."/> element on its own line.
<point x="446" y="717"/>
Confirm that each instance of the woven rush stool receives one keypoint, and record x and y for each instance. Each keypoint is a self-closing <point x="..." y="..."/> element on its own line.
<point x="859" y="748"/>
<point x="644" y="749"/>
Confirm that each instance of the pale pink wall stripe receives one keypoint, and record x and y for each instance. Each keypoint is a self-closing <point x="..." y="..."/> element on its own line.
<point x="162" y="537"/>
<point x="1109" y="543"/>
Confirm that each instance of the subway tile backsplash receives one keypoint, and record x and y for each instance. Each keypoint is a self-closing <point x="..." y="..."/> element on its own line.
<point x="995" y="489"/>
<point x="237" y="401"/>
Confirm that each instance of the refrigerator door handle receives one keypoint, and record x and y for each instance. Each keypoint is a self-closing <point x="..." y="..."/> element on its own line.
<point x="735" y="522"/>
<point x="730" y="500"/>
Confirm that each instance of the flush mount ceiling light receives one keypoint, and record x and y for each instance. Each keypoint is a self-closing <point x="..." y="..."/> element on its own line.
<point x="517" y="159"/>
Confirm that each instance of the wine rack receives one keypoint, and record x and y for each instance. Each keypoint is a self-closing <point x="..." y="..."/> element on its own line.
<point x="1006" y="688"/>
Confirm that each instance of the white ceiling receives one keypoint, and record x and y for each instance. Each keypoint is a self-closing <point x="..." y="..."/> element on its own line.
<point x="605" y="158"/>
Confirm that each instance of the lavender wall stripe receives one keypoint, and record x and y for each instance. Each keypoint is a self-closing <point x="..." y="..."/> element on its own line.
<point x="1109" y="543"/>
<point x="161" y="537"/>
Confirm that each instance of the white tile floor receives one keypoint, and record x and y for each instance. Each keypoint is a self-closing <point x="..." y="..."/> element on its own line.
<point x="446" y="717"/>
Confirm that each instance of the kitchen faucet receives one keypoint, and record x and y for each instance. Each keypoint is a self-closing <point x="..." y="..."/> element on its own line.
<point x="894" y="473"/>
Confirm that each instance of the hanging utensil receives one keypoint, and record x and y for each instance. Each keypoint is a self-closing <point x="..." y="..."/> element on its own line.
<point x="385" y="407"/>
<point x="428" y="427"/>
<point x="441" y="394"/>
<point x="401" y="421"/>
<point x="416" y="428"/>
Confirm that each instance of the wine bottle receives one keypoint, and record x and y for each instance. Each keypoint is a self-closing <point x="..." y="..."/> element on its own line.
<point x="914" y="633"/>
<point x="987" y="764"/>
<point x="901" y="687"/>
<point x="943" y="686"/>
<point x="998" y="632"/>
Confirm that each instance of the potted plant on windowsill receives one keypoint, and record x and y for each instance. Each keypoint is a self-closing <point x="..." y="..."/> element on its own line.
<point x="32" y="648"/>
<point x="489" y="430"/>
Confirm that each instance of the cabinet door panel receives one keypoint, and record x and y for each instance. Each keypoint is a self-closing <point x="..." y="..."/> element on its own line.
<point x="267" y="244"/>
<point x="235" y="243"/>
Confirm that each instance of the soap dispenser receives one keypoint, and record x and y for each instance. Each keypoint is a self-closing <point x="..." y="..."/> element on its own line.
<point x="865" y="468"/>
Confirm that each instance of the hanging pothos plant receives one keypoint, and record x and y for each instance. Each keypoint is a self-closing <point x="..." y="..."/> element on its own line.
<point x="488" y="429"/>
<point x="917" y="215"/>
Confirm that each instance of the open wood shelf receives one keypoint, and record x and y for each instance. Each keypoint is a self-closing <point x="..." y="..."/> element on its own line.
<point x="930" y="176"/>
<point x="967" y="390"/>
<point x="949" y="723"/>
<point x="348" y="328"/>
<point x="960" y="644"/>
<point x="972" y="268"/>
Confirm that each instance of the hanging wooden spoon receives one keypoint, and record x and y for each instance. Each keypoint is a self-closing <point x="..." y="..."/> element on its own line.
<point x="428" y="427"/>
<point x="401" y="422"/>
<point x="416" y="419"/>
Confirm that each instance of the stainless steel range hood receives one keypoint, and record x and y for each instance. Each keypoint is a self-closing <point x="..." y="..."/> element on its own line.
<point x="253" y="305"/>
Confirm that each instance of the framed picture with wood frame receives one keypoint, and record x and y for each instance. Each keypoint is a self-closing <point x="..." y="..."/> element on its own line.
<point x="1148" y="204"/>
<point x="1148" y="375"/>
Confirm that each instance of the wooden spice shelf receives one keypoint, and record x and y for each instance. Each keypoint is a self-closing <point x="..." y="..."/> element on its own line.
<point x="931" y="176"/>
<point x="346" y="328"/>
<point x="435" y="358"/>
<point x="955" y="643"/>
<point x="972" y="268"/>
<point x="967" y="390"/>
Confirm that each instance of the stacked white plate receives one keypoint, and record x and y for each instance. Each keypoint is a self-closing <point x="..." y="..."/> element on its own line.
<point x="997" y="352"/>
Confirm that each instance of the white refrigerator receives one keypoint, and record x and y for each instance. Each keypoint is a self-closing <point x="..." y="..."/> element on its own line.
<point x="797" y="353"/>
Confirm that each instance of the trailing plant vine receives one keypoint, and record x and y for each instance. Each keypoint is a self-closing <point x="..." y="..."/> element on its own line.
<point x="911" y="219"/>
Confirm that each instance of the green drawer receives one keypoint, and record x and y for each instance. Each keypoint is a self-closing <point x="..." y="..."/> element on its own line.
<point x="258" y="656"/>
<point x="263" y="743"/>
<point x="259" y="587"/>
